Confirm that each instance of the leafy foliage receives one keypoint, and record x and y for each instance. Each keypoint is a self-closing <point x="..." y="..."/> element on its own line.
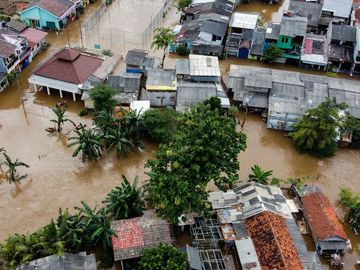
<point x="272" y="53"/>
<point x="353" y="124"/>
<point x="12" y="173"/>
<point x="125" y="201"/>
<point x="116" y="138"/>
<point x="163" y="257"/>
<point x="352" y="201"/>
<point x="61" y="118"/>
<point x="205" y="148"/>
<point x="183" y="4"/>
<point x="102" y="95"/>
<point x="88" y="142"/>
<point x="258" y="175"/>
<point x="163" y="37"/>
<point x="316" y="132"/>
<point x="107" y="52"/>
<point x="160" y="125"/>
<point x="182" y="50"/>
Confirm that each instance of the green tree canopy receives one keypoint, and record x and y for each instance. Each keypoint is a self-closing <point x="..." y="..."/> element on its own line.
<point x="103" y="97"/>
<point x="160" y="125"/>
<point x="259" y="175"/>
<point x="353" y="124"/>
<point x="162" y="39"/>
<point x="352" y="201"/>
<point x="163" y="257"/>
<point x="88" y="142"/>
<point x="183" y="4"/>
<point x="205" y="148"/>
<point x="272" y="53"/>
<point x="317" y="131"/>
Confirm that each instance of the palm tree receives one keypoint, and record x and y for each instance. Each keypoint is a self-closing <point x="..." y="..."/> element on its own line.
<point x="88" y="142"/>
<point x="132" y="126"/>
<point x="258" y="175"/>
<point x="162" y="39"/>
<point x="106" y="120"/>
<point x="12" y="174"/>
<point x="118" y="138"/>
<point x="61" y="118"/>
<point x="125" y="201"/>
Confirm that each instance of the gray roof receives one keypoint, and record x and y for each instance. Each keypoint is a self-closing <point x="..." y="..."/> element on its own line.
<point x="192" y="93"/>
<point x="127" y="82"/>
<point x="16" y="25"/>
<point x="309" y="10"/>
<point x="6" y="49"/>
<point x="193" y="258"/>
<point x="343" y="32"/>
<point x="201" y="65"/>
<point x="257" y="44"/>
<point x="215" y="28"/>
<point x="273" y="31"/>
<point x="182" y="67"/>
<point x="161" y="77"/>
<point x="293" y="26"/>
<point x="339" y="8"/>
<point x="135" y="57"/>
<point x="214" y="17"/>
<point x="68" y="261"/>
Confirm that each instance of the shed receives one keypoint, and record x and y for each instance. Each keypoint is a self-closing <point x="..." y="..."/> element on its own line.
<point x="136" y="234"/>
<point x="328" y="233"/>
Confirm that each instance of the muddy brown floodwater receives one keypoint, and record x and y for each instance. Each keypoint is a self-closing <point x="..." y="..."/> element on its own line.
<point x="55" y="179"/>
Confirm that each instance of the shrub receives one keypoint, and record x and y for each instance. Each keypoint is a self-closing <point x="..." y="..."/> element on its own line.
<point x="182" y="50"/>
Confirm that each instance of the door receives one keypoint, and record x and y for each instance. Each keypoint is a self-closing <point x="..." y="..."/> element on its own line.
<point x="51" y="25"/>
<point x="243" y="53"/>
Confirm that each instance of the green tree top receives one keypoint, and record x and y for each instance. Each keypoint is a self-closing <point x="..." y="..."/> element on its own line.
<point x="162" y="39"/>
<point x="205" y="148"/>
<point x="272" y="53"/>
<point x="317" y="131"/>
<point x="183" y="4"/>
<point x="103" y="97"/>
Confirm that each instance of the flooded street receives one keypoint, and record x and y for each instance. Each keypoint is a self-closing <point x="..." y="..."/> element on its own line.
<point x="58" y="180"/>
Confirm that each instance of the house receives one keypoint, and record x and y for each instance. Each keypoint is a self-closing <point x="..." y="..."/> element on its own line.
<point x="128" y="85"/>
<point x="204" y="68"/>
<point x="66" y="71"/>
<point x="250" y="86"/>
<point x="257" y="43"/>
<point x="272" y="34"/>
<point x="326" y="230"/>
<point x="160" y="88"/>
<point x="292" y="32"/>
<point x="334" y="11"/>
<point x="193" y="12"/>
<point x="240" y="35"/>
<point x="136" y="234"/>
<point x="9" y="57"/>
<point x="16" y="26"/>
<point x="64" y="262"/>
<point x="314" y="52"/>
<point x="36" y="39"/>
<point x="310" y="10"/>
<point x="138" y="61"/>
<point x="3" y="81"/>
<point x="49" y="14"/>
<point x="341" y="40"/>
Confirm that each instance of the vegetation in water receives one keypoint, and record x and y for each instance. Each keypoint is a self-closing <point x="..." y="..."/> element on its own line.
<point x="204" y="148"/>
<point x="107" y="52"/>
<point x="183" y="4"/>
<point x="61" y="118"/>
<point x="352" y="202"/>
<point x="163" y="37"/>
<point x="258" y="175"/>
<point x="88" y="143"/>
<point x="103" y="97"/>
<point x="11" y="173"/>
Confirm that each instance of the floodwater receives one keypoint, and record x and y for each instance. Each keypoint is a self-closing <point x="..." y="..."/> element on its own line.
<point x="55" y="179"/>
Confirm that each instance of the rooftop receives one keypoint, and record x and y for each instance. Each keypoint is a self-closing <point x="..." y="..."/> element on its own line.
<point x="161" y="79"/>
<point x="343" y="32"/>
<point x="293" y="26"/>
<point x="273" y="31"/>
<point x="309" y="10"/>
<point x="34" y="36"/>
<point x="69" y="65"/>
<point x="135" y="234"/>
<point x="244" y="20"/>
<point x="339" y="8"/>
<point x="6" y="49"/>
<point x="16" y="25"/>
<point x="56" y="7"/>
<point x="273" y="243"/>
<point x="135" y="57"/>
<point x="201" y="65"/>
<point x="182" y="67"/>
<point x="321" y="216"/>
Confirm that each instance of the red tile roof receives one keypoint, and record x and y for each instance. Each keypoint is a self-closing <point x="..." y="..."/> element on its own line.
<point x="321" y="217"/>
<point x="129" y="234"/>
<point x="69" y="65"/>
<point x="273" y="243"/>
<point x="34" y="36"/>
<point x="56" y="7"/>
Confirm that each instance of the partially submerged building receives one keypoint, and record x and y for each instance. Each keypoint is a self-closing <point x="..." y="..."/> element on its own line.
<point x="326" y="230"/>
<point x="128" y="85"/>
<point x="139" y="61"/>
<point x="314" y="51"/>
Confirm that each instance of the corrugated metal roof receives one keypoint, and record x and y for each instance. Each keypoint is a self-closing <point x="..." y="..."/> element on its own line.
<point x="244" y="20"/>
<point x="339" y="8"/>
<point x="293" y="26"/>
<point x="273" y="31"/>
<point x="309" y="10"/>
<point x="247" y="254"/>
<point x="201" y="65"/>
<point x="343" y="32"/>
<point x="182" y="67"/>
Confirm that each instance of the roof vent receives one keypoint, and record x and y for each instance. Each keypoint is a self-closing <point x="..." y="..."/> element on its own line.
<point x="208" y="61"/>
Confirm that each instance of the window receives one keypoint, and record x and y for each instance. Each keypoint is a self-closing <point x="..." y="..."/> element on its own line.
<point x="285" y="40"/>
<point x="34" y="23"/>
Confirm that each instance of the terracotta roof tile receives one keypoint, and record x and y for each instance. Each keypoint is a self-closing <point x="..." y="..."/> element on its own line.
<point x="321" y="216"/>
<point x="273" y="243"/>
<point x="69" y="65"/>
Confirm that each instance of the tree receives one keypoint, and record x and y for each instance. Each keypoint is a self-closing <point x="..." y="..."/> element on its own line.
<point x="353" y="124"/>
<point x="258" y="175"/>
<point x="183" y="4"/>
<point x="160" y="125"/>
<point x="88" y="142"/>
<point x="162" y="39"/>
<point x="204" y="148"/>
<point x="106" y="120"/>
<point x="182" y="50"/>
<point x="117" y="138"/>
<point x="317" y="131"/>
<point x="12" y="174"/>
<point x="163" y="257"/>
<point x="352" y="201"/>
<point x="272" y="53"/>
<point x="125" y="201"/>
<point x="61" y="118"/>
<point x="103" y="97"/>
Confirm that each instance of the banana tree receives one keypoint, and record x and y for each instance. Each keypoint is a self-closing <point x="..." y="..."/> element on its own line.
<point x="259" y="175"/>
<point x="12" y="175"/>
<point x="61" y="118"/>
<point x="88" y="142"/>
<point x="117" y="138"/>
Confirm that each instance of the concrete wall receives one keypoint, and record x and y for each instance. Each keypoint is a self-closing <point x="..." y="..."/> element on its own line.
<point x="42" y="16"/>
<point x="159" y="98"/>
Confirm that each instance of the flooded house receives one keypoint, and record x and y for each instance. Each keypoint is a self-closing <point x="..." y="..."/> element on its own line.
<point x="342" y="41"/>
<point x="128" y="86"/>
<point x="307" y="9"/>
<point x="48" y="14"/>
<point x="314" y="52"/>
<point x="326" y="230"/>
<point x="256" y="221"/>
<point x="136" y="234"/>
<point x="64" y="262"/>
<point x="139" y="61"/>
<point x="335" y="11"/>
<point x="257" y="43"/>
<point x="160" y="88"/>
<point x="240" y="35"/>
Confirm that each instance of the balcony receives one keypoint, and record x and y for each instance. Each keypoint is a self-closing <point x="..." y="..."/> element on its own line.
<point x="12" y="62"/>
